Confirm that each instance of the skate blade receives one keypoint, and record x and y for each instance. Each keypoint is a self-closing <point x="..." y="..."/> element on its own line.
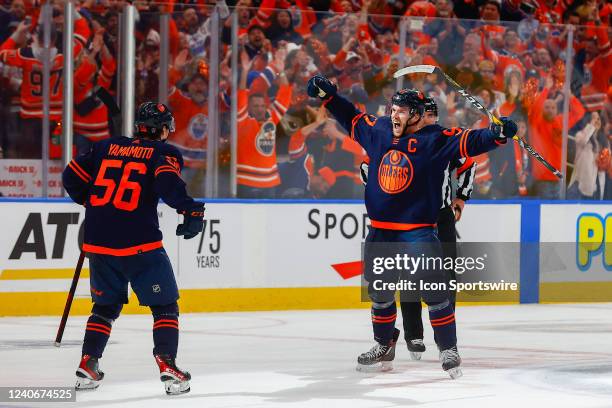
<point x="415" y="355"/>
<point x="174" y="387"/>
<point x="454" y="373"/>
<point x="86" y="384"/>
<point x="375" y="368"/>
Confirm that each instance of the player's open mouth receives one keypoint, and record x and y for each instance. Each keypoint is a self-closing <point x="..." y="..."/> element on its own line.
<point x="396" y="125"/>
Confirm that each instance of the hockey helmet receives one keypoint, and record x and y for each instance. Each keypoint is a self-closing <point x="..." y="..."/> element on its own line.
<point x="151" y="118"/>
<point x="431" y="105"/>
<point x="411" y="98"/>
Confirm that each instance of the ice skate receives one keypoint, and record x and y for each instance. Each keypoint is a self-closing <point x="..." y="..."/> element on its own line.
<point x="88" y="374"/>
<point x="380" y="357"/>
<point x="176" y="381"/>
<point x="416" y="347"/>
<point x="451" y="361"/>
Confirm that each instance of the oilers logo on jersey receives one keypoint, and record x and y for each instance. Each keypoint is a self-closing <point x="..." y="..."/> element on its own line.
<point x="266" y="139"/>
<point x="395" y="172"/>
<point x="198" y="126"/>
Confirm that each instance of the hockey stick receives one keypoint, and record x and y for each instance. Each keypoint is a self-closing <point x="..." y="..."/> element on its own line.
<point x="75" y="280"/>
<point x="429" y="69"/>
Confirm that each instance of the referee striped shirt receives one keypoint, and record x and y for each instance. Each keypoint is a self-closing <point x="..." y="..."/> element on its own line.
<point x="466" y="170"/>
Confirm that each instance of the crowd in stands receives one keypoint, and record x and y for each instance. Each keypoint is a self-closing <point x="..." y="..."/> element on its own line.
<point x="511" y="54"/>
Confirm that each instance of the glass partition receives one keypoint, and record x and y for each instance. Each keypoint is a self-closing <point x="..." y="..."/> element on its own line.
<point x="235" y="79"/>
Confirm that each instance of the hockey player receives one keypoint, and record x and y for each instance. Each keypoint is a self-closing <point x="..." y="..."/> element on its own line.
<point x="450" y="212"/>
<point x="408" y="165"/>
<point x="120" y="181"/>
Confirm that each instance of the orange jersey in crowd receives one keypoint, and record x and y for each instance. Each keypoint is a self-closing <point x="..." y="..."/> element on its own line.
<point x="31" y="87"/>
<point x="303" y="18"/>
<point x="191" y="121"/>
<point x="503" y="64"/>
<point x="92" y="124"/>
<point x="546" y="136"/>
<point x="256" y="162"/>
<point x="597" y="73"/>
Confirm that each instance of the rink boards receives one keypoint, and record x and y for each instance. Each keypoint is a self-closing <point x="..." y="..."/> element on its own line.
<point x="277" y="255"/>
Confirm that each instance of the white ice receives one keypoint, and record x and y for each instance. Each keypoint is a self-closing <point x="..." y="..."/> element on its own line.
<point x="513" y="356"/>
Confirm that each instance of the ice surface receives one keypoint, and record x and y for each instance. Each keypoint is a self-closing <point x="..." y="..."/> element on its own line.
<point x="513" y="356"/>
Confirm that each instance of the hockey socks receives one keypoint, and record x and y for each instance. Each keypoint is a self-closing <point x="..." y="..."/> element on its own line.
<point x="98" y="328"/>
<point x="442" y="318"/>
<point x="383" y="321"/>
<point x="165" y="330"/>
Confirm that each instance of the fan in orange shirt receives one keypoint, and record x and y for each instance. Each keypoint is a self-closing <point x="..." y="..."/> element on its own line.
<point x="191" y="136"/>
<point x="490" y="13"/>
<point x="597" y="73"/>
<point x="545" y="135"/>
<point x="257" y="170"/>
<point x="90" y="114"/>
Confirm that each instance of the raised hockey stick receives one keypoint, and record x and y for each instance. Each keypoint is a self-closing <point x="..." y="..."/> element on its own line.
<point x="429" y="69"/>
<point x="75" y="280"/>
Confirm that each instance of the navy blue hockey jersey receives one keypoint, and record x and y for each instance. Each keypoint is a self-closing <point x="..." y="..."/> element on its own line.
<point x="408" y="171"/>
<point x="120" y="181"/>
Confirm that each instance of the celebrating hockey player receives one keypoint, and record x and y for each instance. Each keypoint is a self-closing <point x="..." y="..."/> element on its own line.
<point x="408" y="164"/>
<point x="450" y="212"/>
<point x="120" y="181"/>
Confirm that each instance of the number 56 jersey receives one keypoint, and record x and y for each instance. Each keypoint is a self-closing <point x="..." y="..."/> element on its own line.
<point x="120" y="181"/>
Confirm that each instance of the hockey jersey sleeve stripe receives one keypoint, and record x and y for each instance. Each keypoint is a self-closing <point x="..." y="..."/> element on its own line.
<point x="370" y="121"/>
<point x="275" y="113"/>
<point x="242" y="117"/>
<point x="354" y="123"/>
<point x="398" y="226"/>
<point x="135" y="250"/>
<point x="282" y="108"/>
<point x="166" y="169"/>
<point x="268" y="75"/>
<point x="83" y="176"/>
<point x="167" y="166"/>
<point x="78" y="166"/>
<point x="463" y="143"/>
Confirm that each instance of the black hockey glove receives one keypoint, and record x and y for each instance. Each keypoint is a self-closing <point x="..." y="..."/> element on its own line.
<point x="510" y="127"/>
<point x="363" y="172"/>
<point x="320" y="87"/>
<point x="507" y="129"/>
<point x="193" y="221"/>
